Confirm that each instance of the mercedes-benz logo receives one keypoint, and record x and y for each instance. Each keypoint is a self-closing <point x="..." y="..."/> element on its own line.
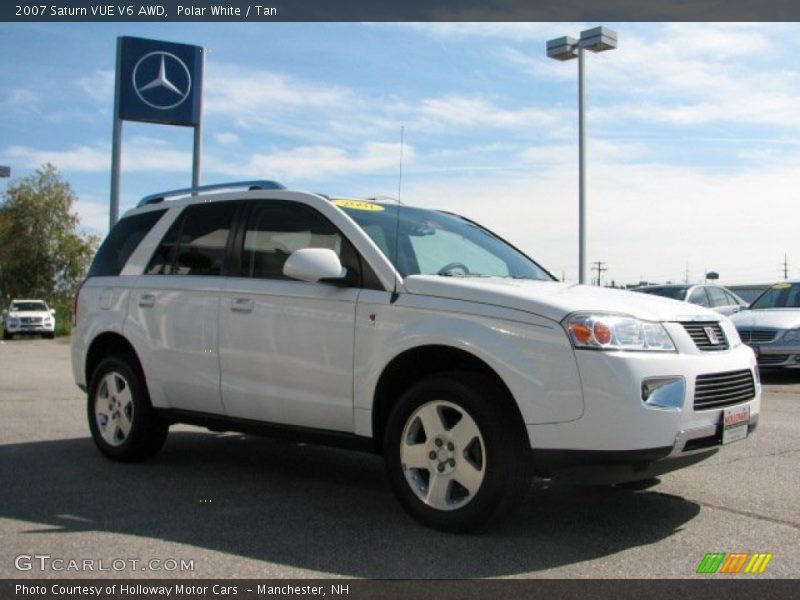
<point x="161" y="80"/>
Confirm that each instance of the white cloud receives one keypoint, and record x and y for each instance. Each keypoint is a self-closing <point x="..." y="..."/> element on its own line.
<point x="92" y="159"/>
<point x="226" y="138"/>
<point x="99" y="85"/>
<point x="316" y="162"/>
<point x="258" y="96"/>
<point x="477" y="111"/>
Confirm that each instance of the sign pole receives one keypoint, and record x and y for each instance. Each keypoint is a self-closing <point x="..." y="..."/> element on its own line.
<point x="116" y="145"/>
<point x="198" y="131"/>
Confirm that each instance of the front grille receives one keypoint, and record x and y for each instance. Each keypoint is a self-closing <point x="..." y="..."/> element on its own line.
<point x="772" y="359"/>
<point x="705" y="333"/>
<point x="30" y="320"/>
<point x="757" y="336"/>
<point x="716" y="390"/>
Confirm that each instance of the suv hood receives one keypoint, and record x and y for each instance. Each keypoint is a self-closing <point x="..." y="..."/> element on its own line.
<point x="553" y="299"/>
<point x="772" y="318"/>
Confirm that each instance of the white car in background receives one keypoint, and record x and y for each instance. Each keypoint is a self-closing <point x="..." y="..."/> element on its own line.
<point x="715" y="297"/>
<point x="417" y="334"/>
<point x="771" y="326"/>
<point x="29" y="316"/>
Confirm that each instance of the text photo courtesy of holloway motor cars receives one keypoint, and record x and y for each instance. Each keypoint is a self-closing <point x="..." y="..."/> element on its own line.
<point x="397" y="300"/>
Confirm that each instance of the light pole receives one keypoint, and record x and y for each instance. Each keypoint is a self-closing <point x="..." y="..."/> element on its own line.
<point x="597" y="39"/>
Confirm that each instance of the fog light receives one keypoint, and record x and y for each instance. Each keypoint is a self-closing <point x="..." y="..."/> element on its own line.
<point x="665" y="393"/>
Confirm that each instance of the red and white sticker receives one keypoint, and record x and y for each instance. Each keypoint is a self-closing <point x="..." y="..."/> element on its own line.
<point x="734" y="423"/>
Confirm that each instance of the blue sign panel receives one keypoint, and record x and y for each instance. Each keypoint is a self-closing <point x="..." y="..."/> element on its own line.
<point x="159" y="82"/>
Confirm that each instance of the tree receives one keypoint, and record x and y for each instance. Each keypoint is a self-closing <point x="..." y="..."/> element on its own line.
<point x="42" y="255"/>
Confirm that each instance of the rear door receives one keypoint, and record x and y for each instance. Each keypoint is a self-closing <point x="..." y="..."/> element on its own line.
<point x="286" y="346"/>
<point x="176" y="308"/>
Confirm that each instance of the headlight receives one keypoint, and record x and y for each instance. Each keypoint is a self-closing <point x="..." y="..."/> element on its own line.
<point x="793" y="336"/>
<point x="617" y="332"/>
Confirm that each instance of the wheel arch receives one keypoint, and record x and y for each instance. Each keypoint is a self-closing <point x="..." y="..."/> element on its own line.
<point x="415" y="364"/>
<point x="109" y="344"/>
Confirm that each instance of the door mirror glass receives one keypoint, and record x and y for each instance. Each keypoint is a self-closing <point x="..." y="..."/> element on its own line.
<point x="313" y="265"/>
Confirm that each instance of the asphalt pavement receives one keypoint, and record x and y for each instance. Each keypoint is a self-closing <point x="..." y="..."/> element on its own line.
<point x="226" y="505"/>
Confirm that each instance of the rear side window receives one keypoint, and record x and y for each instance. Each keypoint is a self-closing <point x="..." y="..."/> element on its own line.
<point x="117" y="248"/>
<point x="196" y="242"/>
<point x="718" y="297"/>
<point x="698" y="296"/>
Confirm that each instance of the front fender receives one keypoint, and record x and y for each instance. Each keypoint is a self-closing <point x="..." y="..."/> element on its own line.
<point x="533" y="357"/>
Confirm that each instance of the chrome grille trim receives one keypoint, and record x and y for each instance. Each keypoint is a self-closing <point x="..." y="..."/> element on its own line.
<point x="757" y="336"/>
<point x="697" y="331"/>
<point x="716" y="390"/>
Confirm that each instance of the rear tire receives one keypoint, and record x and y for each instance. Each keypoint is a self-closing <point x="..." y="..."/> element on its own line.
<point x="456" y="452"/>
<point x="123" y="423"/>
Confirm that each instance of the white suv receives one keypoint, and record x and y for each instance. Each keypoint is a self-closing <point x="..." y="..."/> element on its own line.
<point x="413" y="333"/>
<point x="29" y="316"/>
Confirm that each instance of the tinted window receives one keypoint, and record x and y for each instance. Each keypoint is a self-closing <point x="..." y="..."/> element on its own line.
<point x="698" y="296"/>
<point x="275" y="229"/>
<point x="718" y="297"/>
<point x="196" y="242"/>
<point x="121" y="242"/>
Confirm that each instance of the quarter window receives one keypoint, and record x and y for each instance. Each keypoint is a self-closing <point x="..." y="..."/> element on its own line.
<point x="121" y="242"/>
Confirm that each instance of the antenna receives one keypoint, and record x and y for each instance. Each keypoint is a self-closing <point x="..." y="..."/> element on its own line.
<point x="395" y="295"/>
<point x="400" y="177"/>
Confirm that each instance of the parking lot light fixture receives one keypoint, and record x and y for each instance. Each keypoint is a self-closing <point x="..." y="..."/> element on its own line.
<point x="597" y="39"/>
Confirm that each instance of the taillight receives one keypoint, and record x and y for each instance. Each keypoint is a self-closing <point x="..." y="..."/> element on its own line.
<point x="75" y="303"/>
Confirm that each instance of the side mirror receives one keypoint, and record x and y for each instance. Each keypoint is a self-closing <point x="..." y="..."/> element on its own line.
<point x="53" y="311"/>
<point x="314" y="264"/>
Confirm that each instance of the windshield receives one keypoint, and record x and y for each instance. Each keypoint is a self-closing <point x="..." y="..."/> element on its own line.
<point x="28" y="307"/>
<point x="436" y="243"/>
<point x="676" y="293"/>
<point x="780" y="295"/>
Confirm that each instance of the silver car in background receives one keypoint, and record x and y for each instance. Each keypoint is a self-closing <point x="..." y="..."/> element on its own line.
<point x="771" y="326"/>
<point x="715" y="297"/>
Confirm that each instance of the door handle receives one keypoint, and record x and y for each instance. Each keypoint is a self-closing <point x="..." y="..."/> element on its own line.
<point x="146" y="300"/>
<point x="243" y="305"/>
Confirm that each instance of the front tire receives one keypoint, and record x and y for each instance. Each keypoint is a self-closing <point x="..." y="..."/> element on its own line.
<point x="7" y="336"/>
<point x="456" y="452"/>
<point x="123" y="423"/>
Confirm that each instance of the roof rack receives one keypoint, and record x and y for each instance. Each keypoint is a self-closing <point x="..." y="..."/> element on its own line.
<point x="193" y="191"/>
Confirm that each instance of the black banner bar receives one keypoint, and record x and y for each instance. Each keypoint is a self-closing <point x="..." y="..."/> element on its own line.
<point x="259" y="11"/>
<point x="702" y="588"/>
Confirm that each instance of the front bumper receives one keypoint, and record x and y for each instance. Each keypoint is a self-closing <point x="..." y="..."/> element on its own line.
<point x="771" y="356"/>
<point x="609" y="467"/>
<point x="31" y="327"/>
<point x="620" y="437"/>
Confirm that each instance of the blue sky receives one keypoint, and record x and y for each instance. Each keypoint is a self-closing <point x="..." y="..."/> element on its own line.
<point x="693" y="153"/>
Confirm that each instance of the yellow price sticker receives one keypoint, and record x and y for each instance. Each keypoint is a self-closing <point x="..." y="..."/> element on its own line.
<point x="358" y="205"/>
<point x="781" y="286"/>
